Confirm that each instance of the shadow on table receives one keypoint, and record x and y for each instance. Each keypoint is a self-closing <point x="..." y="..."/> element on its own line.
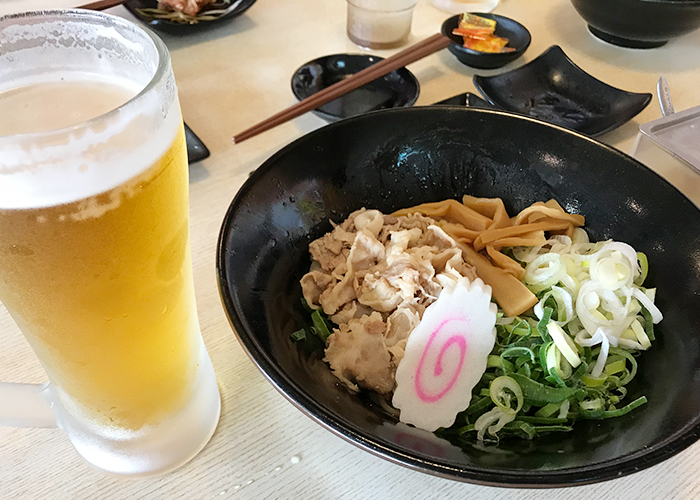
<point x="201" y="171"/>
<point x="198" y="172"/>
<point x="623" y="133"/>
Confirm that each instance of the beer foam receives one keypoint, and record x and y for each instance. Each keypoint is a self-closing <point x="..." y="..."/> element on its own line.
<point x="62" y="166"/>
<point x="58" y="167"/>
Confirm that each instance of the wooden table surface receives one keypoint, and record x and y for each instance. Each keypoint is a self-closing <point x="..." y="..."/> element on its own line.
<point x="229" y="78"/>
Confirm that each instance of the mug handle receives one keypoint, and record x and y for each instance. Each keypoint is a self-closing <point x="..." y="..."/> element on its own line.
<point x="27" y="405"/>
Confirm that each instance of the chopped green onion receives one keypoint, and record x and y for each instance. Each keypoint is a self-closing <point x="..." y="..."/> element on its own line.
<point x="306" y="306"/>
<point x="592" y="408"/>
<point x="548" y="410"/>
<point x="524" y="360"/>
<point x="543" y="420"/>
<point x="499" y="392"/>
<point x="542" y="325"/>
<point x="553" y="428"/>
<point x="644" y="268"/>
<point x="556" y="364"/>
<point x="541" y="394"/>
<point x="648" y="324"/>
<point x="555" y="378"/>
<point x="640" y="334"/>
<point x="513" y="352"/>
<point x="616" y="366"/>
<point x="591" y="381"/>
<point x="544" y="349"/>
<point x="482" y="404"/>
<point x="519" y="329"/>
<point x="564" y="343"/>
<point x="320" y="326"/>
<point x="633" y="362"/>
<point x="465" y="430"/>
<point x="498" y="362"/>
<point x="525" y="370"/>
<point x="493" y="361"/>
<point x="527" y="430"/>
<point x="298" y="336"/>
<point x="579" y="372"/>
<point x="625" y="410"/>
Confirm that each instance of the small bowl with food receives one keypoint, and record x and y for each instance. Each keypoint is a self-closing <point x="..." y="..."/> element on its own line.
<point x="485" y="41"/>
<point x="487" y="297"/>
<point x="184" y="16"/>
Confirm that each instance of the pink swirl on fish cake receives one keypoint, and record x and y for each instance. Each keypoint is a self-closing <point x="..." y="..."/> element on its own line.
<point x="456" y="339"/>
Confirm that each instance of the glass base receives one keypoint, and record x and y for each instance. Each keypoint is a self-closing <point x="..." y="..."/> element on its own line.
<point x="157" y="449"/>
<point x="366" y="44"/>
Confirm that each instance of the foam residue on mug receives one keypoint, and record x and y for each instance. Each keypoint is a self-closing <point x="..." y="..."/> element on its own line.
<point x="78" y="162"/>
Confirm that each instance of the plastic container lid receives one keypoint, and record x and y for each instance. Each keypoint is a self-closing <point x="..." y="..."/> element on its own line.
<point x="678" y="134"/>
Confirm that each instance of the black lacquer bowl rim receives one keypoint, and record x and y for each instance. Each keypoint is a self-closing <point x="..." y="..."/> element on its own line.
<point x="515" y="478"/>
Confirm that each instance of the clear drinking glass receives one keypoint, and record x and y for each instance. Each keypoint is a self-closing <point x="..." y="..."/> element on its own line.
<point x="95" y="263"/>
<point x="380" y="24"/>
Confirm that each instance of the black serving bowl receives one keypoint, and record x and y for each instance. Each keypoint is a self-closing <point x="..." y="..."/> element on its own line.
<point x="399" y="88"/>
<point x="552" y="88"/>
<point x="178" y="28"/>
<point x="518" y="38"/>
<point x="639" y="24"/>
<point x="400" y="157"/>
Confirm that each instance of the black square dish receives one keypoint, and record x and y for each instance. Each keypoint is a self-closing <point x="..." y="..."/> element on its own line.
<point x="553" y="89"/>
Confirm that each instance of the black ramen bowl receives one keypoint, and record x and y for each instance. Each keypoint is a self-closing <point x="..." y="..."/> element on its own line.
<point x="552" y="88"/>
<point x="397" y="89"/>
<point x="237" y="7"/>
<point x="518" y="39"/>
<point x="400" y="157"/>
<point x="639" y="24"/>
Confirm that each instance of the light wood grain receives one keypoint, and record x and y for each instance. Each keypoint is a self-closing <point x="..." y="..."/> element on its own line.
<point x="239" y="74"/>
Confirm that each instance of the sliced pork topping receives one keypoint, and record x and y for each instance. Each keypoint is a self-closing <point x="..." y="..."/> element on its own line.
<point x="374" y="275"/>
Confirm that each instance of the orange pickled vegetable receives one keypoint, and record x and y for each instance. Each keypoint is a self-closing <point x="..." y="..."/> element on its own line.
<point x="478" y="33"/>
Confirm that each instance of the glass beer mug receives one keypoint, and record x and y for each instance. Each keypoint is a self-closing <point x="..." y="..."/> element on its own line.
<point x="95" y="264"/>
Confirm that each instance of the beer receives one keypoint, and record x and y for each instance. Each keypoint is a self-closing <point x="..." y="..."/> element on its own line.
<point x="99" y="279"/>
<point x="95" y="263"/>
